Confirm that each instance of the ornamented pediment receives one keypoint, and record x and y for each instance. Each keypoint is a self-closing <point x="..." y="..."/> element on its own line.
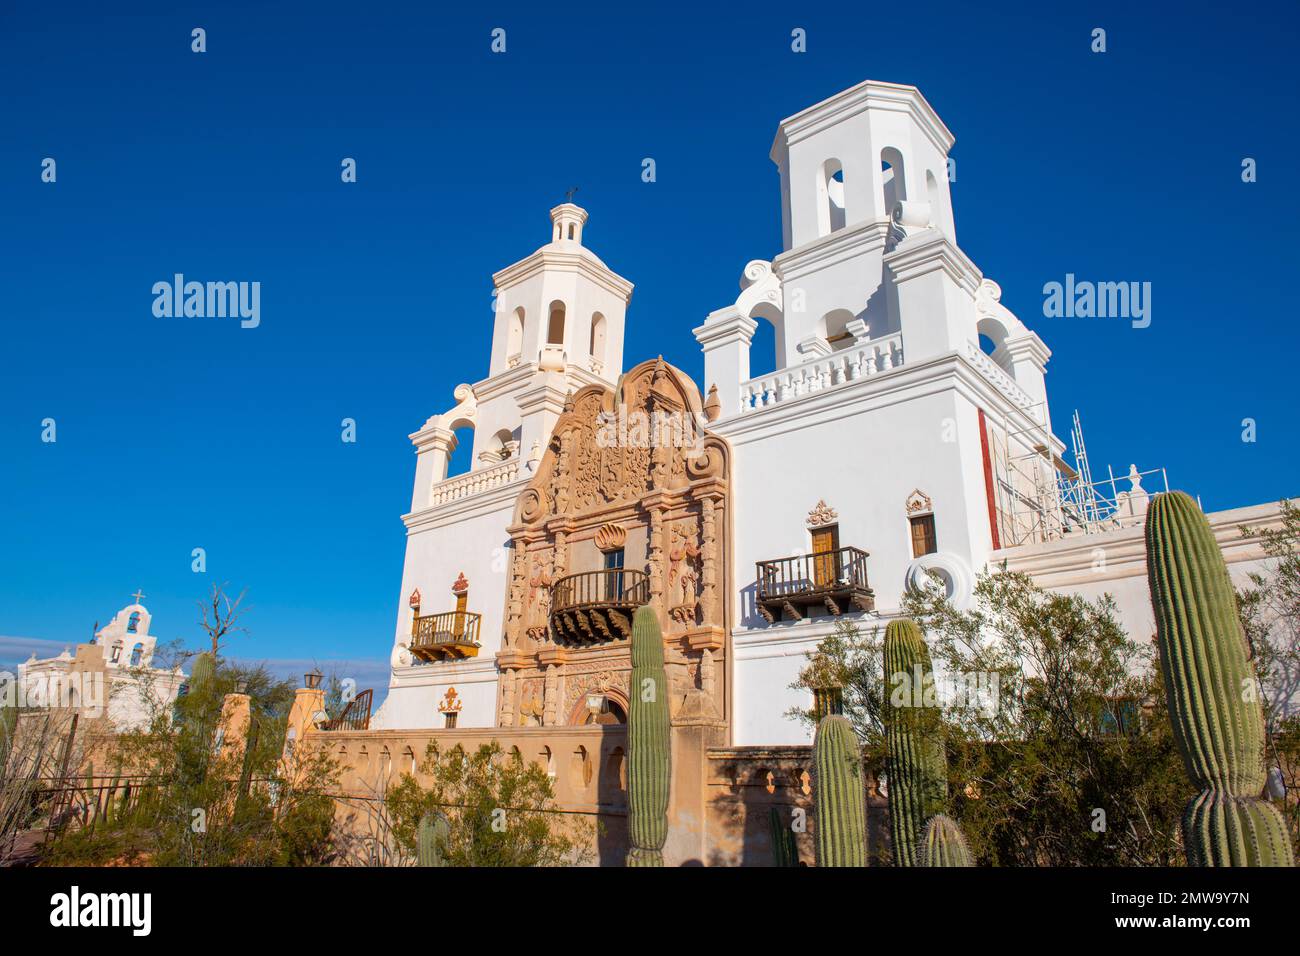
<point x="918" y="503"/>
<point x="450" y="703"/>
<point x="608" y="448"/>
<point x="822" y="515"/>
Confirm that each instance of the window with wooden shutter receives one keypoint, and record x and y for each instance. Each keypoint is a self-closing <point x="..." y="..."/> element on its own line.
<point x="923" y="535"/>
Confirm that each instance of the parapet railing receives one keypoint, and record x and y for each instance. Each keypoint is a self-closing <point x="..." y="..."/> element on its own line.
<point x="474" y="482"/>
<point x="826" y="371"/>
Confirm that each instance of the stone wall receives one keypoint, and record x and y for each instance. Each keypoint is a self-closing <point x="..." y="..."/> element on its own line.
<point x="721" y="799"/>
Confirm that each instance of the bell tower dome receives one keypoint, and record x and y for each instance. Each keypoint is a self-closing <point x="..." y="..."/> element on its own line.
<point x="561" y="309"/>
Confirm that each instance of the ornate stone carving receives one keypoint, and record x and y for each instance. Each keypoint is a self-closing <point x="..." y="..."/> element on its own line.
<point x="610" y="537"/>
<point x="918" y="503"/>
<point x="549" y="715"/>
<point x="518" y="595"/>
<point x="709" y="569"/>
<point x="683" y="574"/>
<point x="822" y="515"/>
<point x="539" y="601"/>
<point x="633" y="469"/>
<point x="531" y="703"/>
<point x="506" y="717"/>
<point x="578" y="686"/>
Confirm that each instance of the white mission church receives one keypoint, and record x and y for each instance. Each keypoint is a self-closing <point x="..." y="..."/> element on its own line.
<point x="887" y="443"/>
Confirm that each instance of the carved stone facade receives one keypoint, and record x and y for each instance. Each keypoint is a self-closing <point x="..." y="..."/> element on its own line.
<point x="632" y="494"/>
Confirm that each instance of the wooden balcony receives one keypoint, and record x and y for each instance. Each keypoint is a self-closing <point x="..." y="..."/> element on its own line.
<point x="451" y="635"/>
<point x="595" y="607"/>
<point x="791" y="588"/>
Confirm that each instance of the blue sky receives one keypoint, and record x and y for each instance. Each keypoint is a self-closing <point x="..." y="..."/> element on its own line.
<point x="182" y="433"/>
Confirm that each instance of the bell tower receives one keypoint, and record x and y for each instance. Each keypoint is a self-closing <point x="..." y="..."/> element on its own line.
<point x="558" y="327"/>
<point x="561" y="308"/>
<point x="856" y="170"/>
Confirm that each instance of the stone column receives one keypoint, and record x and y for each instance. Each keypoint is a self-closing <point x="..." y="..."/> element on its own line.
<point x="655" y="546"/>
<point x="433" y="448"/>
<point x="550" y="708"/>
<point x="539" y="408"/>
<point x="709" y="562"/>
<point x="935" y="285"/>
<point x="506" y="716"/>
<point x="725" y="337"/>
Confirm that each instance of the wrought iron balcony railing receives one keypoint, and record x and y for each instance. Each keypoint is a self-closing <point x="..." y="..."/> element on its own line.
<point x="450" y="635"/>
<point x="356" y="716"/>
<point x="836" y="580"/>
<point x="593" y="607"/>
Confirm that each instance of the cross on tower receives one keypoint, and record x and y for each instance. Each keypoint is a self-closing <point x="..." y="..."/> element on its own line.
<point x="568" y="195"/>
<point x="138" y="595"/>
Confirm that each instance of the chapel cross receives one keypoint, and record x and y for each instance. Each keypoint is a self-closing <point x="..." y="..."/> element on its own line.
<point x="137" y="595"/>
<point x="568" y="196"/>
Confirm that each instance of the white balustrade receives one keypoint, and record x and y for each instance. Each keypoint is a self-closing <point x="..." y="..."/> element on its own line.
<point x="999" y="379"/>
<point x="474" y="482"/>
<point x="827" y="371"/>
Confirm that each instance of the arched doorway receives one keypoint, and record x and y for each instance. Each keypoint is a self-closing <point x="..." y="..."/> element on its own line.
<point x="599" y="707"/>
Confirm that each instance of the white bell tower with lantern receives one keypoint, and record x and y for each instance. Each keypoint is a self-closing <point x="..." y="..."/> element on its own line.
<point x="558" y="326"/>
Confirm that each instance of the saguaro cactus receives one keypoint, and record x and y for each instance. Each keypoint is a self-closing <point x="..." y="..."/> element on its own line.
<point x="785" y="852"/>
<point x="916" y="763"/>
<point x="841" y="826"/>
<point x="943" y="844"/>
<point x="649" y="756"/>
<point x="203" y="670"/>
<point x="431" y="840"/>
<point x="1212" y="693"/>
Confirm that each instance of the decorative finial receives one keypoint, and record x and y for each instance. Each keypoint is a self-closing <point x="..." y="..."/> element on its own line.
<point x="712" y="404"/>
<point x="138" y="595"/>
<point x="568" y="195"/>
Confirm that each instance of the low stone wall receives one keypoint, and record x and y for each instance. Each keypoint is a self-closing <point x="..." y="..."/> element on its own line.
<point x="587" y="764"/>
<point x="744" y="783"/>
<point x="589" y="769"/>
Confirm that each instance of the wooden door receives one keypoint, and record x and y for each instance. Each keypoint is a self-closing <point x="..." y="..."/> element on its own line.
<point x="458" y="622"/>
<point x="825" y="544"/>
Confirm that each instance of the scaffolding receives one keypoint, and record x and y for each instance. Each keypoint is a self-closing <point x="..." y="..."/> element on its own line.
<point x="1041" y="497"/>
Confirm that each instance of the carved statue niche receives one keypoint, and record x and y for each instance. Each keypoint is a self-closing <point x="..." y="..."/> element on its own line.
<point x="532" y="702"/>
<point x="539" y="600"/>
<point x="684" y="573"/>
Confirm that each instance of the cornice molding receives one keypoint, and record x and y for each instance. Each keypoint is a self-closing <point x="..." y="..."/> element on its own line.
<point x="928" y="251"/>
<point x="951" y="371"/>
<point x="869" y="94"/>
<point x="500" y="498"/>
<point x="862" y="238"/>
<point x="725" y="330"/>
<point x="1029" y="346"/>
<point x="552" y="260"/>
